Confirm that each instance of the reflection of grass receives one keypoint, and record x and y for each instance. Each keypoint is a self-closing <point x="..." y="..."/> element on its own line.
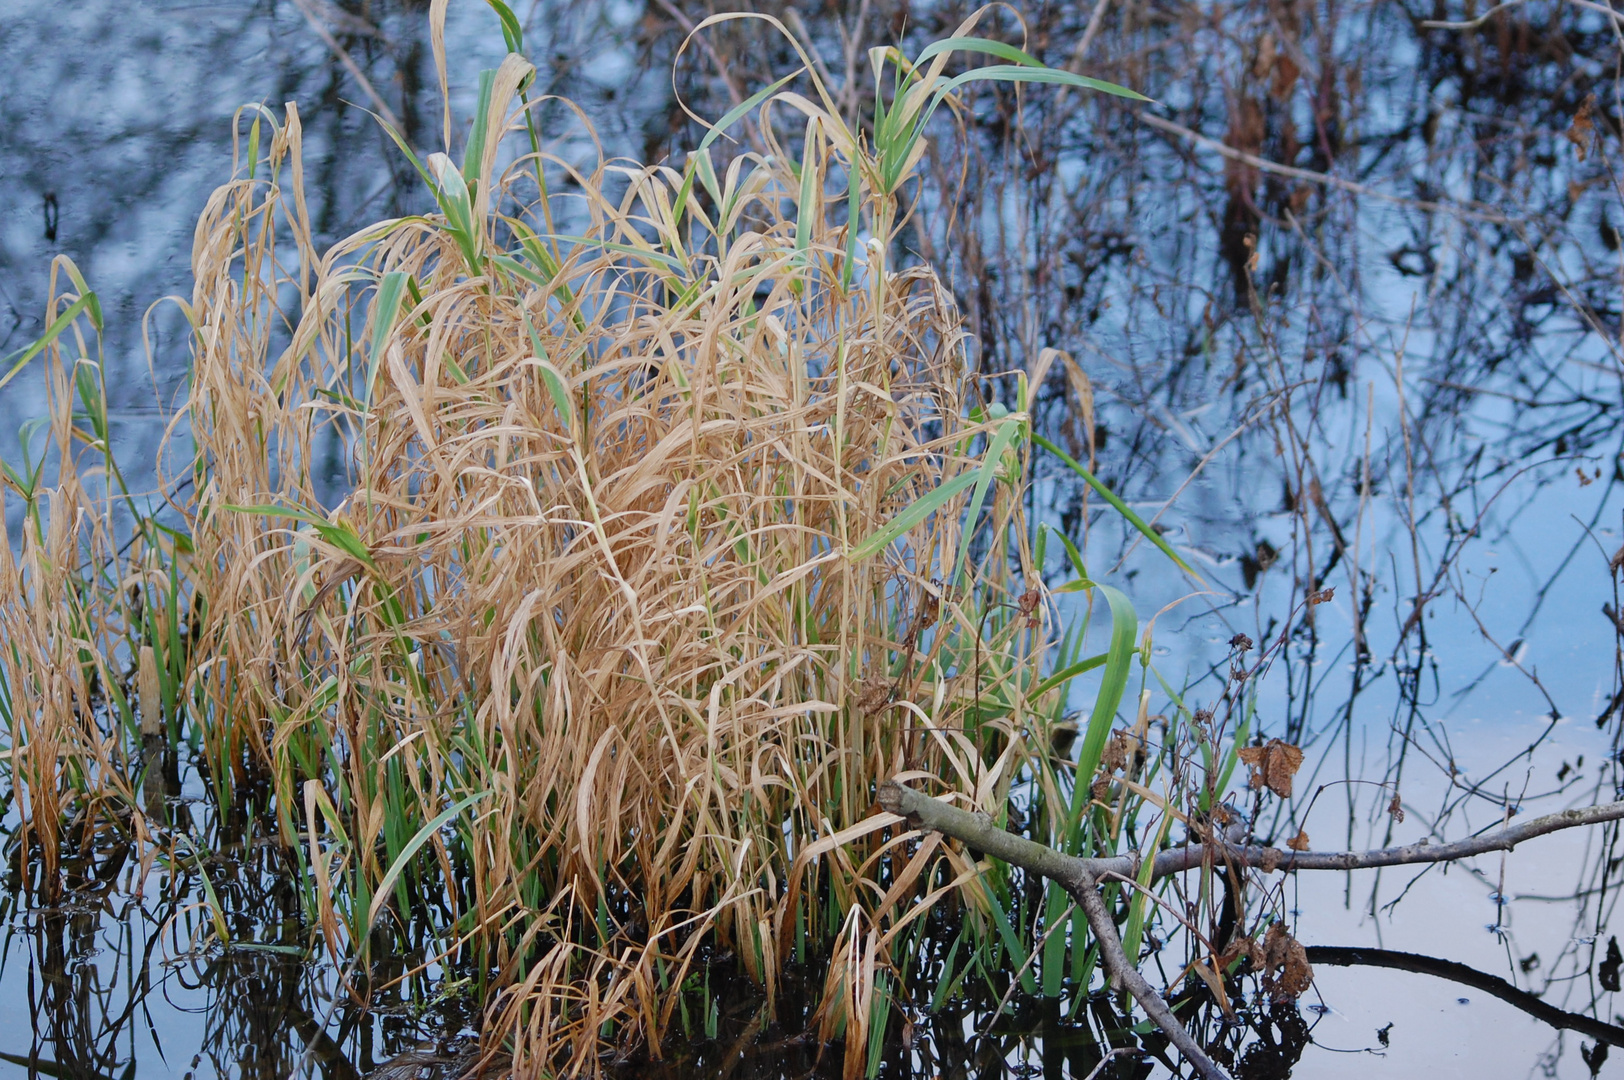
<point x="659" y="557"/>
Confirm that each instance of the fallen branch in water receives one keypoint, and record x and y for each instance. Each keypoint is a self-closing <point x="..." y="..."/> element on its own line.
<point x="1081" y="877"/>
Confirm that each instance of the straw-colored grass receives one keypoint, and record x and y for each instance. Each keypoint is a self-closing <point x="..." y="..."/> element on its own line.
<point x="657" y="558"/>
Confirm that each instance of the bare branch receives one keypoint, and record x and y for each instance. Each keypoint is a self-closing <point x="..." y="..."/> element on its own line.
<point x="1080" y="877"/>
<point x="977" y="829"/>
<point x="1275" y="167"/>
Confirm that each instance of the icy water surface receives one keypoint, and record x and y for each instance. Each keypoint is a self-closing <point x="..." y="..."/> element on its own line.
<point x="1401" y="383"/>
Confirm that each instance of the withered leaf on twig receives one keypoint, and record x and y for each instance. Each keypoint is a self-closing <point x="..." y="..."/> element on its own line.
<point x="1299" y="842"/>
<point x="1396" y="809"/>
<point x="1243" y="947"/>
<point x="1118" y="751"/>
<point x="1607" y="970"/>
<point x="1286" y="973"/>
<point x="1273" y="765"/>
<point x="1582" y="126"/>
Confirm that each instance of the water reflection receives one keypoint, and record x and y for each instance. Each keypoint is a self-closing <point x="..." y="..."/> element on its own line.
<point x="128" y="970"/>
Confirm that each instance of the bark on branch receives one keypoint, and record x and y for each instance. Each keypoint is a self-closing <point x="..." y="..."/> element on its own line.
<point x="1076" y="876"/>
<point x="1080" y="877"/>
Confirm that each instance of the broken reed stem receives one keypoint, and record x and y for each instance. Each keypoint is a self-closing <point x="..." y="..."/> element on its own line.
<point x="1081" y="876"/>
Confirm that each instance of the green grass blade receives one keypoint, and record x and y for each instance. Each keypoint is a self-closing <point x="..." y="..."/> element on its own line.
<point x="1054" y="948"/>
<point x="341" y="536"/>
<point x="1067" y="673"/>
<point x="474" y="153"/>
<point x="1074" y="555"/>
<point x="92" y="305"/>
<point x="512" y="29"/>
<point x="978" y="45"/>
<point x="984" y="478"/>
<point x="915" y="512"/>
<point x="806" y="207"/>
<point x="384" y="313"/>
<point x="1118" y="659"/>
<point x="1020" y="74"/>
<point x="1138" y="903"/>
<point x="733" y="115"/>
<point x="54" y="331"/>
<point x="1117" y="504"/>
<point x="381" y="894"/>
<point x="1017" y="951"/>
<point x="557" y="388"/>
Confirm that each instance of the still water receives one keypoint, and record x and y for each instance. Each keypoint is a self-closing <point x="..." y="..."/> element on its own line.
<point x="1349" y="300"/>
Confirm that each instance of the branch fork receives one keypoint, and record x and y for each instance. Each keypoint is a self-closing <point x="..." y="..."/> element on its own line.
<point x="1081" y="876"/>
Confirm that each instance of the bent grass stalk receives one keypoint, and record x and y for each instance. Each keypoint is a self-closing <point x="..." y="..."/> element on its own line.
<point x="668" y="539"/>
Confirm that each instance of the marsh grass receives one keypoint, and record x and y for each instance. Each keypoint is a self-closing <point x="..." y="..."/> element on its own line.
<point x="667" y="537"/>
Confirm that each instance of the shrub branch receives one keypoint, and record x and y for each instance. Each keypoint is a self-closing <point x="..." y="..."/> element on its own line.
<point x="1080" y="877"/>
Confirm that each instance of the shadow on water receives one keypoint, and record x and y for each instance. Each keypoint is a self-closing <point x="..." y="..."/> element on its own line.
<point x="1348" y="300"/>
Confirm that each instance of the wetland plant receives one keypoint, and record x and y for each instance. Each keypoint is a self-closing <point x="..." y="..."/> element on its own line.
<point x="674" y="524"/>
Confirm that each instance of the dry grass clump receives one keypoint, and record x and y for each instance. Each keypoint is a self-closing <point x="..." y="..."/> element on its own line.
<point x="660" y="552"/>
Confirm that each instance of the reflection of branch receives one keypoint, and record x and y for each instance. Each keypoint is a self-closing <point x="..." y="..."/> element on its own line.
<point x="46" y="1067"/>
<point x="335" y="1064"/>
<point x="1080" y="877"/>
<point x="1266" y="165"/>
<point x="1340" y="956"/>
<point x="1472" y="24"/>
<point x="350" y="65"/>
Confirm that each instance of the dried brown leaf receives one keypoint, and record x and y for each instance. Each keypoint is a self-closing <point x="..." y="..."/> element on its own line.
<point x="1244" y="947"/>
<point x="1286" y="972"/>
<point x="1118" y="752"/>
<point x="1583" y="125"/>
<point x="1299" y="842"/>
<point x="1286" y="73"/>
<point x="1273" y="765"/>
